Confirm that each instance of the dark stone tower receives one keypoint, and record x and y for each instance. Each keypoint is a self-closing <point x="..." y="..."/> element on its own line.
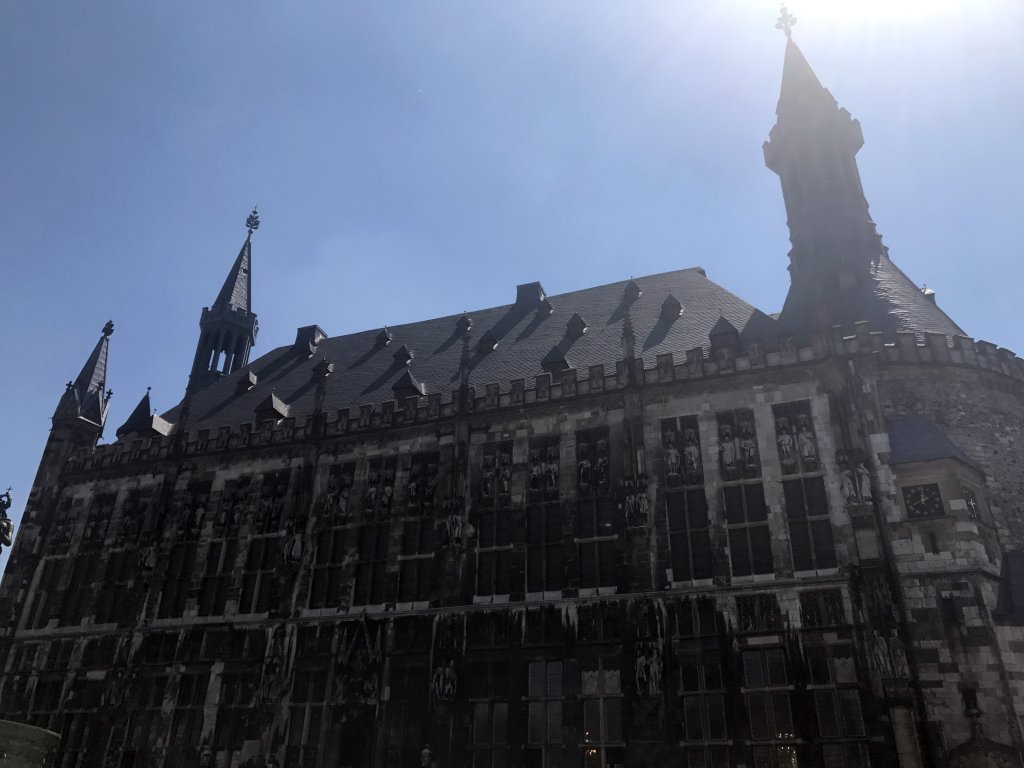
<point x="840" y="272"/>
<point x="228" y="328"/>
<point x="78" y="423"/>
<point x="813" y="148"/>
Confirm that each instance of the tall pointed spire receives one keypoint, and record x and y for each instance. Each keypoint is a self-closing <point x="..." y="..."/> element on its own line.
<point x="236" y="293"/>
<point x="228" y="328"/>
<point x="87" y="398"/>
<point x="840" y="270"/>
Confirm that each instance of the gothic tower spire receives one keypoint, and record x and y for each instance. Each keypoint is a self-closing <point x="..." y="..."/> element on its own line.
<point x="228" y="328"/>
<point x="813" y="148"/>
<point x="86" y="399"/>
<point x="840" y="272"/>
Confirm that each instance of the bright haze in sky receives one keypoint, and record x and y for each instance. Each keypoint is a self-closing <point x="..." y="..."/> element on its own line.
<point x="414" y="159"/>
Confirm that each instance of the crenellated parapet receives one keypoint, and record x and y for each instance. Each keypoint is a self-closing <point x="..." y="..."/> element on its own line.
<point x="546" y="389"/>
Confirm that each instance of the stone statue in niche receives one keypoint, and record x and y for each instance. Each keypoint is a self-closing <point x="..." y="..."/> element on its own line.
<point x="691" y="455"/>
<point x="855" y="482"/>
<point x="806" y="443"/>
<point x="505" y="474"/>
<point x="455" y="531"/>
<point x="727" y="450"/>
<point x="357" y="667"/>
<point x="601" y="465"/>
<point x="748" y="446"/>
<point x="487" y="489"/>
<point x="648" y="668"/>
<point x="863" y="481"/>
<point x="551" y="468"/>
<point x="584" y="468"/>
<point x="536" y="471"/>
<point x="444" y="682"/>
<point x="636" y="505"/>
<point x="372" y="481"/>
<point x="388" y="494"/>
<point x="786" y="444"/>
<point x="673" y="459"/>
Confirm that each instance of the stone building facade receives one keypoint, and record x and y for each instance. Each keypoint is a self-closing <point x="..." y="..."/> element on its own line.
<point x="641" y="524"/>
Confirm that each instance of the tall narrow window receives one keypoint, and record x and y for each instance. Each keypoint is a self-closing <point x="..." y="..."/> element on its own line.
<point x="597" y="543"/>
<point x="259" y="585"/>
<point x="702" y="688"/>
<point x="545" y="570"/>
<point x="235" y="723"/>
<point x="177" y="580"/>
<point x="372" y="552"/>
<point x="601" y="689"/>
<point x="220" y="560"/>
<point x="187" y="723"/>
<point x="488" y="692"/>
<point x="750" y="544"/>
<point x="113" y="604"/>
<point x="416" y="563"/>
<point x="810" y="530"/>
<point x="494" y="521"/>
<point x="306" y="716"/>
<point x="421" y="490"/>
<point x="689" y="534"/>
<point x="328" y="568"/>
<point x="766" y="685"/>
<point x="544" y="712"/>
<point x="745" y="509"/>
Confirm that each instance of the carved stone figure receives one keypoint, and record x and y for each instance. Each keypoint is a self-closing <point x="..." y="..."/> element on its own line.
<point x="848" y="486"/>
<point x="727" y="449"/>
<point x="863" y="482"/>
<point x="805" y="441"/>
<point x="691" y="454"/>
<point x="748" y="446"/>
<point x="784" y="441"/>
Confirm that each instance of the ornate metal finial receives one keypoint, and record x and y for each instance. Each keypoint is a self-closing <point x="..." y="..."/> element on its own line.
<point x="253" y="221"/>
<point x="786" y="22"/>
<point x="108" y="329"/>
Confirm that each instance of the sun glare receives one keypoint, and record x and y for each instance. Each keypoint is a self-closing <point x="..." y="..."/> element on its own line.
<point x="859" y="11"/>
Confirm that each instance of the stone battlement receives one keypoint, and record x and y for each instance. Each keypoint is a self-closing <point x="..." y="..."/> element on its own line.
<point x="545" y="388"/>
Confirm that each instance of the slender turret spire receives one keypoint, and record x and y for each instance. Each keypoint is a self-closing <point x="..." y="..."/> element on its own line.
<point x="228" y="327"/>
<point x="840" y="270"/>
<point x="87" y="398"/>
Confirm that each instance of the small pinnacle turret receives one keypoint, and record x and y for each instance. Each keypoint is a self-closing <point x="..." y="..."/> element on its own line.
<point x="86" y="399"/>
<point x="228" y="327"/>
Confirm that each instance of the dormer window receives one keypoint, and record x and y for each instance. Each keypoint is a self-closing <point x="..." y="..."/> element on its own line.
<point x="576" y="326"/>
<point x="487" y="342"/>
<point x="403" y="355"/>
<point x="671" y="308"/>
<point x="632" y="292"/>
<point x="463" y="324"/>
<point x="384" y="337"/>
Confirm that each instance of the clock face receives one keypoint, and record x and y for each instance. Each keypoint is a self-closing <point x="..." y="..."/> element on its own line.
<point x="923" y="500"/>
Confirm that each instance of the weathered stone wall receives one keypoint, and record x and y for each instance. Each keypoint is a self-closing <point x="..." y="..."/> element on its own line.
<point x="24" y="746"/>
<point x="983" y="413"/>
<point x="187" y="588"/>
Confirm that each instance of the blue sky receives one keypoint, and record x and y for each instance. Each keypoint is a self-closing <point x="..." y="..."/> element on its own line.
<point x="416" y="158"/>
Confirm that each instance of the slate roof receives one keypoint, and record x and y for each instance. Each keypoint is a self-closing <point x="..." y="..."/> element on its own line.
<point x="891" y="302"/>
<point x="366" y="371"/>
<point x="913" y="437"/>
<point x="236" y="292"/>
